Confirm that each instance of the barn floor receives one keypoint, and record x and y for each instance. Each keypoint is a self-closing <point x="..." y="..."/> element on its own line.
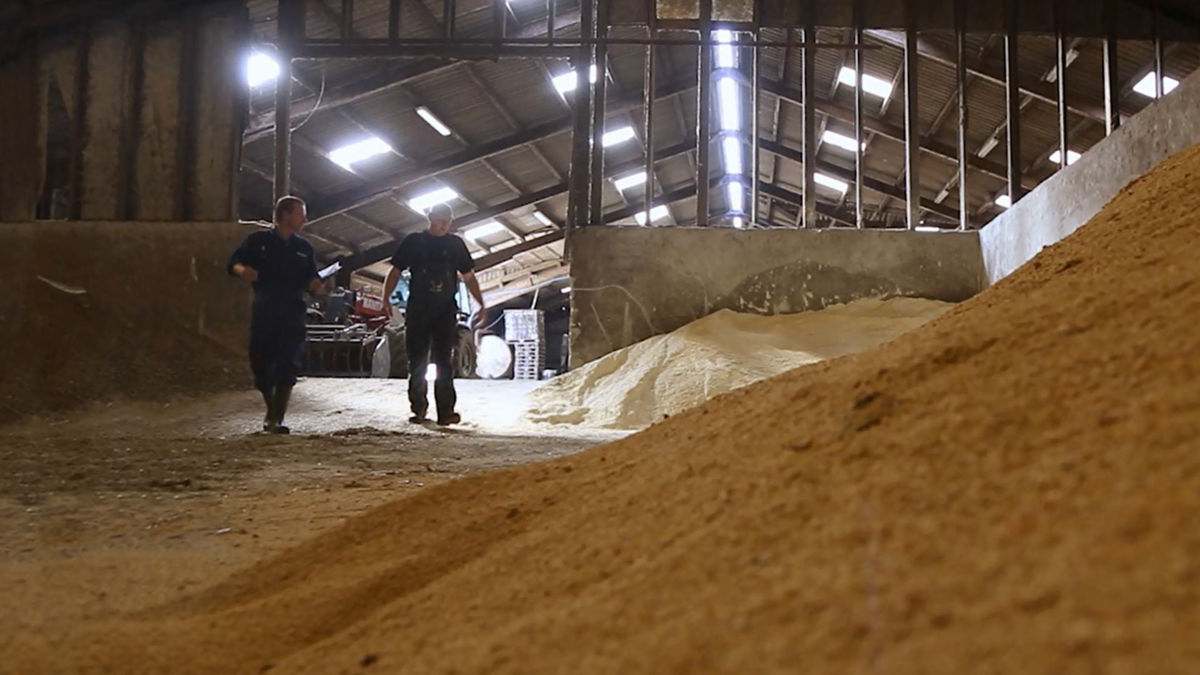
<point x="123" y="506"/>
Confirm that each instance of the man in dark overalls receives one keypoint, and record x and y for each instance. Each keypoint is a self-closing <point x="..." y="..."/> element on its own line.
<point x="281" y="265"/>
<point x="437" y="259"/>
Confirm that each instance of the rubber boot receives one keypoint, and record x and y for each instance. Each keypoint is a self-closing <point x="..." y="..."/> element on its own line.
<point x="282" y="395"/>
<point x="270" y="421"/>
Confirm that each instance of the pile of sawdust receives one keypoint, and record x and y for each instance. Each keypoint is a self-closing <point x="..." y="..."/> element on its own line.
<point x="1013" y="487"/>
<point x="639" y="385"/>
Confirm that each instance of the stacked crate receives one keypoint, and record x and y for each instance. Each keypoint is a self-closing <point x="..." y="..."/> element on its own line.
<point x="525" y="330"/>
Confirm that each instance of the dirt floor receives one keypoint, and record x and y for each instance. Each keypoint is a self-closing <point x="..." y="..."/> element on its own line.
<point x="123" y="506"/>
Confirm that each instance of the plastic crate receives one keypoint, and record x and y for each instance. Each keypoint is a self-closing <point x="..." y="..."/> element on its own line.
<point x="529" y="360"/>
<point x="524" y="325"/>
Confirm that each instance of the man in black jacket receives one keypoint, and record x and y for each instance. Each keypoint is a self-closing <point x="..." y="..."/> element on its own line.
<point x="281" y="265"/>
<point x="437" y="259"/>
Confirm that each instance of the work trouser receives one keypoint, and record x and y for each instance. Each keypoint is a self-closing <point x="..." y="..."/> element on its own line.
<point x="277" y="331"/>
<point x="431" y="330"/>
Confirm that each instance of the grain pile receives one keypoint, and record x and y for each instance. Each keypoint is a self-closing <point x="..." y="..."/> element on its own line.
<point x="639" y="385"/>
<point x="1013" y="487"/>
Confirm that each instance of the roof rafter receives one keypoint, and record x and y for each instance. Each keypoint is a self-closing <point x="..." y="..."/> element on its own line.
<point x="990" y="73"/>
<point x="384" y="186"/>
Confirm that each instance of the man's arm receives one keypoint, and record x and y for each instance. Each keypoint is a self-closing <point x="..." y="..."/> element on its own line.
<point x="473" y="286"/>
<point x="244" y="271"/>
<point x="316" y="285"/>
<point x="400" y="261"/>
<point x="389" y="287"/>
<point x="239" y="263"/>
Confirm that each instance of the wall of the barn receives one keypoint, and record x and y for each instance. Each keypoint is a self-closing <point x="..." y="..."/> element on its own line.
<point x="156" y="105"/>
<point x="1074" y="195"/>
<point x="140" y="310"/>
<point x="629" y="284"/>
<point x="22" y="137"/>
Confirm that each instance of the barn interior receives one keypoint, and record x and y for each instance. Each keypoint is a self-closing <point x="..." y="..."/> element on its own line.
<point x="817" y="336"/>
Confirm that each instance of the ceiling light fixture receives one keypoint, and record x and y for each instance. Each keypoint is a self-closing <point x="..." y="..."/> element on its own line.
<point x="1146" y="85"/>
<point x="726" y="56"/>
<point x="656" y="213"/>
<point x="736" y="196"/>
<point x="831" y="182"/>
<point x="1072" y="157"/>
<point x="261" y="69"/>
<point x="433" y="121"/>
<point x="840" y="141"/>
<point x="348" y="155"/>
<point x="483" y="230"/>
<point x="569" y="80"/>
<point x="625" y="182"/>
<point x="422" y="203"/>
<point x="871" y="84"/>
<point x="730" y="104"/>
<point x="617" y="136"/>
<point x="731" y="152"/>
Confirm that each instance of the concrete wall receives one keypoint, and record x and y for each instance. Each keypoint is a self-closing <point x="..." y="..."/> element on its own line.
<point x="629" y="284"/>
<point x="156" y="103"/>
<point x="22" y="136"/>
<point x="1074" y="195"/>
<point x="95" y="310"/>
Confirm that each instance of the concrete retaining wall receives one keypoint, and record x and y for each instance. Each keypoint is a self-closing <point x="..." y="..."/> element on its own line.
<point x="1074" y="195"/>
<point x="629" y="284"/>
<point x="96" y="310"/>
<point x="155" y="106"/>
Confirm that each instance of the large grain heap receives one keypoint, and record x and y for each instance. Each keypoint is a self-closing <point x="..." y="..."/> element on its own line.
<point x="1014" y="487"/>
<point x="641" y="384"/>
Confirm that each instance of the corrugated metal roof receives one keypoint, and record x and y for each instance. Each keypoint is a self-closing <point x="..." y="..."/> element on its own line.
<point x="486" y="101"/>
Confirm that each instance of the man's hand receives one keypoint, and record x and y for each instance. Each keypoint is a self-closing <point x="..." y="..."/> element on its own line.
<point x="473" y="286"/>
<point x="246" y="272"/>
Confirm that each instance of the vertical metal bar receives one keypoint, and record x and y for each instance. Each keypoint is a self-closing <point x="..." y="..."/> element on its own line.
<point x="131" y="125"/>
<point x="347" y="19"/>
<point x="581" y="139"/>
<point x="448" y="12"/>
<point x="499" y="19"/>
<point x="1160" y="56"/>
<point x="394" y="20"/>
<point x="291" y="13"/>
<point x="755" y="85"/>
<point x="808" y="88"/>
<point x="241" y="116"/>
<point x="703" y="113"/>
<point x="1064" y="119"/>
<point x="1112" y="85"/>
<point x="859" y="220"/>
<point x="1012" y="88"/>
<point x="283" y="128"/>
<point x="185" y="136"/>
<point x="551" y="11"/>
<point x="83" y="46"/>
<point x="648" y="115"/>
<point x="960" y="77"/>
<point x="912" y="120"/>
<point x="599" y="111"/>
